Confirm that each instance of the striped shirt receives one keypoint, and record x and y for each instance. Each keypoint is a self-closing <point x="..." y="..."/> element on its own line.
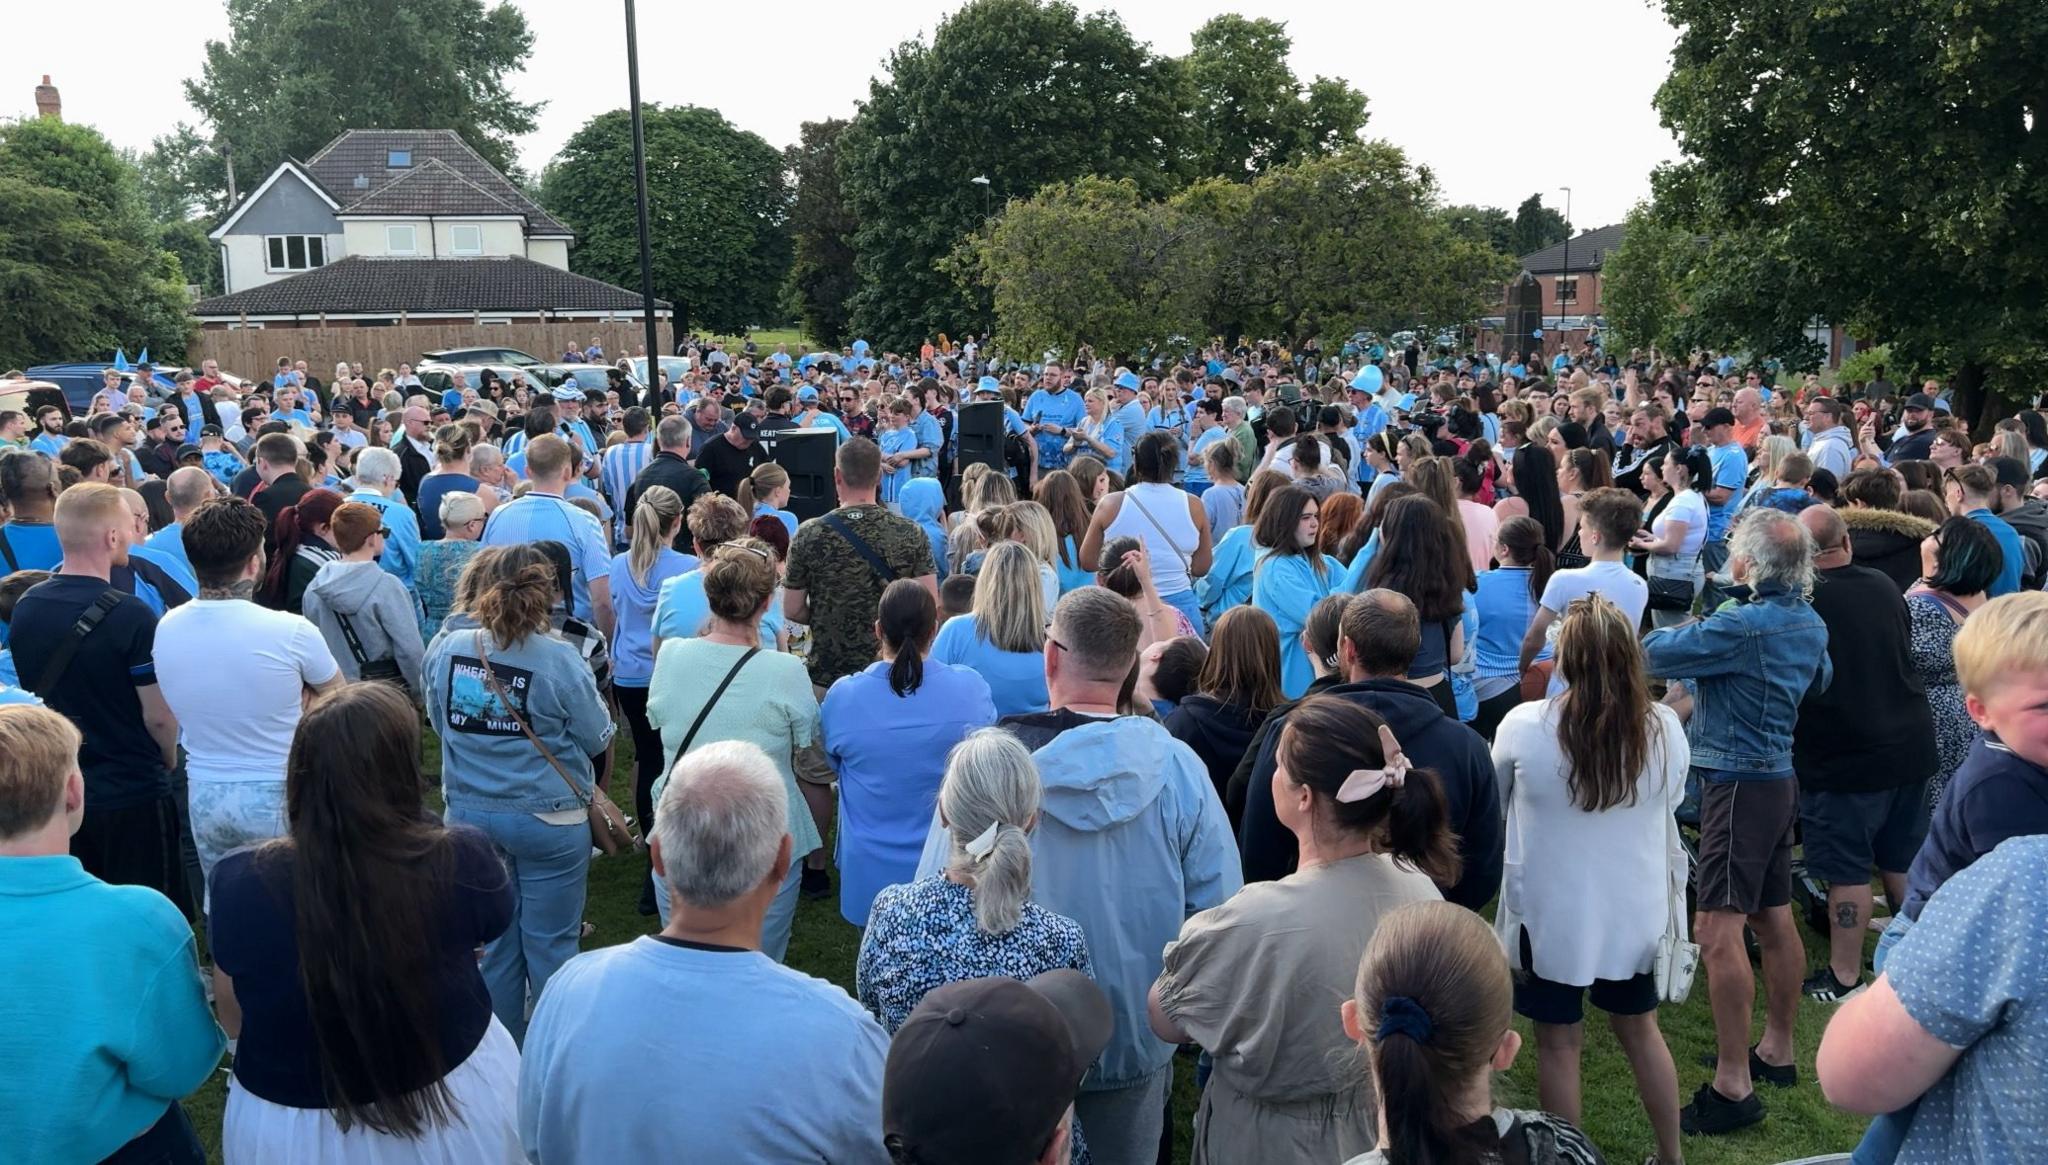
<point x="622" y="463"/>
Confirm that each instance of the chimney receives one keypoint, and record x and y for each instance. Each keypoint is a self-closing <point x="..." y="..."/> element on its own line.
<point x="47" y="103"/>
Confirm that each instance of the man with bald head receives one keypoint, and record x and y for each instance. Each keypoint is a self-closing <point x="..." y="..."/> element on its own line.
<point x="1377" y="640"/>
<point x="184" y="489"/>
<point x="1863" y="749"/>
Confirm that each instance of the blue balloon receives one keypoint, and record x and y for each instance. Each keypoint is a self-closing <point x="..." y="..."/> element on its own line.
<point x="1369" y="379"/>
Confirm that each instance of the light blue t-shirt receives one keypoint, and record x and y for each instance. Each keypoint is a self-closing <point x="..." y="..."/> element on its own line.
<point x="1197" y="469"/>
<point x="1973" y="971"/>
<point x="633" y="613"/>
<point x="928" y="436"/>
<point x="681" y="610"/>
<point x="32" y="545"/>
<point x="1015" y="678"/>
<point x="901" y="440"/>
<point x="1064" y="408"/>
<point x="1731" y="470"/>
<point x="401" y="557"/>
<point x="539" y="517"/>
<point x="738" y="1020"/>
<point x="170" y="542"/>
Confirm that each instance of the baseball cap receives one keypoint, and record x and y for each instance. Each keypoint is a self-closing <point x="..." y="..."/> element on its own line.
<point x="807" y="394"/>
<point x="1718" y="415"/>
<point x="983" y="1069"/>
<point x="2010" y="471"/>
<point x="210" y="431"/>
<point x="185" y="451"/>
<point x="1919" y="400"/>
<point x="746" y="423"/>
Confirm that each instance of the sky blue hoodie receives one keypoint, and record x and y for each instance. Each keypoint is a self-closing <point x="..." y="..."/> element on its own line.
<point x="1131" y="841"/>
<point x="923" y="501"/>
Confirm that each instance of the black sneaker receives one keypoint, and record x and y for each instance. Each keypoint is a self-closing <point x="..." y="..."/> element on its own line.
<point x="1711" y="1114"/>
<point x="817" y="884"/>
<point x="1823" y="987"/>
<point x="1775" y="1075"/>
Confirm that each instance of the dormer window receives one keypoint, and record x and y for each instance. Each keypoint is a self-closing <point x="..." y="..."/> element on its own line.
<point x="397" y="159"/>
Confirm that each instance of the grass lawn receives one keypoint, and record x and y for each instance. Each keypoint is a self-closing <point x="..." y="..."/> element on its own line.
<point x="766" y="340"/>
<point x="1800" y="1124"/>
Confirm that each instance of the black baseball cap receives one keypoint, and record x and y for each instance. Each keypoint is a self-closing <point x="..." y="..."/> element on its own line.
<point x="2010" y="471"/>
<point x="983" y="1069"/>
<point x="1920" y="400"/>
<point x="210" y="431"/>
<point x="185" y="451"/>
<point x="746" y="423"/>
<point x="1718" y="415"/>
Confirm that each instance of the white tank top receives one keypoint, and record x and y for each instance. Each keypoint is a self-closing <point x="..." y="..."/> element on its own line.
<point x="1169" y="543"/>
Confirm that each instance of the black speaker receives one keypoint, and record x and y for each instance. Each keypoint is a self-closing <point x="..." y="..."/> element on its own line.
<point x="807" y="454"/>
<point x="981" y="435"/>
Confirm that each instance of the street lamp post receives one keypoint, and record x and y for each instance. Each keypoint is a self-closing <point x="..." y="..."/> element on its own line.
<point x="652" y="338"/>
<point x="1567" y="265"/>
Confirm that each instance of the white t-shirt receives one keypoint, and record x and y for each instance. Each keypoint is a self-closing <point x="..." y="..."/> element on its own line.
<point x="1689" y="507"/>
<point x="1610" y="580"/>
<point x="233" y="673"/>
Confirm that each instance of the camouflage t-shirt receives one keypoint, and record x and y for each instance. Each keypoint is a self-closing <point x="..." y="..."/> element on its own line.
<point x="844" y="591"/>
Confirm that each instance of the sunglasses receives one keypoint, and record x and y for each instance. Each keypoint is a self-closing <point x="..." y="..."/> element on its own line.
<point x="383" y="531"/>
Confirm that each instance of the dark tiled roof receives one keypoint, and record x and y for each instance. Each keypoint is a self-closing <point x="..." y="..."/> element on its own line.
<point x="362" y="153"/>
<point x="358" y="284"/>
<point x="431" y="187"/>
<point x="1588" y="252"/>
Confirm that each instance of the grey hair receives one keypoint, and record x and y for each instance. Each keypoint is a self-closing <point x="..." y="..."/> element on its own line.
<point x="991" y="780"/>
<point x="459" y="506"/>
<point x="377" y="467"/>
<point x="187" y="486"/>
<point x="486" y="457"/>
<point x="673" y="432"/>
<point x="1234" y="404"/>
<point x="721" y="822"/>
<point x="1778" y="549"/>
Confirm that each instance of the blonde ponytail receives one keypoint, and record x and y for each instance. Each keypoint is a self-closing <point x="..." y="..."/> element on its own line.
<point x="758" y="485"/>
<point x="658" y="509"/>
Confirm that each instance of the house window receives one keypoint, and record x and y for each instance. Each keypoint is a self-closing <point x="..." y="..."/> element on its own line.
<point x="401" y="239"/>
<point x="397" y="159"/>
<point x="294" y="252"/>
<point x="1568" y="289"/>
<point x="466" y="240"/>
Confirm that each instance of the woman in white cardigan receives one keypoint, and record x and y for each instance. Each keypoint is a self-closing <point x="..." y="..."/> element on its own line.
<point x="1590" y="779"/>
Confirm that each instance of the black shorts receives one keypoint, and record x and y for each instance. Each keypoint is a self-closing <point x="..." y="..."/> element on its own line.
<point x="1845" y="835"/>
<point x="1544" y="1001"/>
<point x="1745" y="862"/>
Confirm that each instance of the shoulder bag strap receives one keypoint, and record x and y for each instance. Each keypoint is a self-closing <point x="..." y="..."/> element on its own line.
<point x="1185" y="562"/>
<point x="1955" y="609"/>
<point x="355" y="645"/>
<point x="7" y="552"/>
<point x="87" y="622"/>
<point x="691" y="736"/>
<point x="504" y="697"/>
<point x="839" y="525"/>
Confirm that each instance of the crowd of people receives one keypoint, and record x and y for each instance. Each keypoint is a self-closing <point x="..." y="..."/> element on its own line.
<point x="1315" y="715"/>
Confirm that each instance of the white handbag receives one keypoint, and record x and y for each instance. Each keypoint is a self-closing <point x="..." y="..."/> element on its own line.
<point x="1678" y="957"/>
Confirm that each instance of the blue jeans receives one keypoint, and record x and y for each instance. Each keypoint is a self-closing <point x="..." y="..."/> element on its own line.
<point x="548" y="865"/>
<point x="1189" y="606"/>
<point x="1887" y="1133"/>
<point x="781" y="912"/>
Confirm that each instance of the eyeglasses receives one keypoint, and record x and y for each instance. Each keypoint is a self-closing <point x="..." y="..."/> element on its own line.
<point x="383" y="531"/>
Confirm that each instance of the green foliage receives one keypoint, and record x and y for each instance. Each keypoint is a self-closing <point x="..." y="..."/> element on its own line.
<point x="295" y="73"/>
<point x="718" y="208"/>
<point x="1642" y="282"/>
<point x="1887" y="159"/>
<point x="81" y="270"/>
<point x="1352" y="240"/>
<point x="1032" y="92"/>
<point x="821" y="226"/>
<point x="1863" y="364"/>
<point x="1249" y="111"/>
<point x="198" y="256"/>
<point x="1483" y="224"/>
<point x="1536" y="227"/>
<point x="1091" y="262"/>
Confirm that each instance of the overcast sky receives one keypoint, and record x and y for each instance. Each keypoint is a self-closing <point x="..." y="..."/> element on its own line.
<point x="1501" y="99"/>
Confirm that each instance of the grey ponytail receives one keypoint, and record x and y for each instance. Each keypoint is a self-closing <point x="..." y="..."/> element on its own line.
<point x="990" y="800"/>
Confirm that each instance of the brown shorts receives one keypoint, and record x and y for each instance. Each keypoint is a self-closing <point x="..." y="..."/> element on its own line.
<point x="1745" y="861"/>
<point x="809" y="762"/>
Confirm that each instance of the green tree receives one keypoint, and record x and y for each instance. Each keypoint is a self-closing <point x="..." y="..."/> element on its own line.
<point x="1023" y="92"/>
<point x="1642" y="281"/>
<point x="1250" y="112"/>
<point x="182" y="176"/>
<point x="80" y="268"/>
<point x="1092" y="262"/>
<point x="198" y="256"/>
<point x="295" y="73"/>
<point x="1887" y="162"/>
<point x="1536" y="227"/>
<point x="718" y="209"/>
<point x="821" y="274"/>
<point x="1353" y="240"/>
<point x="1483" y="224"/>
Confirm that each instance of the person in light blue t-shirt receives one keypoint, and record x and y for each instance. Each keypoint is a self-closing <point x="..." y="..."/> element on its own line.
<point x="896" y="441"/>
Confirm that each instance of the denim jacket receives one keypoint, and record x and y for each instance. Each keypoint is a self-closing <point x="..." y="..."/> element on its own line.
<point x="1750" y="664"/>
<point x="486" y="760"/>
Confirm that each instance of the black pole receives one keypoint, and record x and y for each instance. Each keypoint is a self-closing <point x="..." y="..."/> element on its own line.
<point x="653" y="337"/>
<point x="1567" y="266"/>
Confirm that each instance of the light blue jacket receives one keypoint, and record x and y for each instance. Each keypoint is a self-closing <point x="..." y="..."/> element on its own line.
<point x="1229" y="581"/>
<point x="1131" y="841"/>
<point x="401" y="557"/>
<point x="486" y="761"/>
<point x="1288" y="588"/>
<point x="924" y="501"/>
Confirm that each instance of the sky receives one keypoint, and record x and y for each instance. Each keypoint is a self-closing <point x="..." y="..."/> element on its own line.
<point x="1562" y="101"/>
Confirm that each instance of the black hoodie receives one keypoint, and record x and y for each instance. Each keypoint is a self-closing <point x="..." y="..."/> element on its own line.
<point x="1432" y="740"/>
<point x="1219" y="733"/>
<point x="1887" y="541"/>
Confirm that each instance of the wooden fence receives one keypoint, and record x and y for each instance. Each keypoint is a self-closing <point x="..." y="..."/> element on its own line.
<point x="253" y="352"/>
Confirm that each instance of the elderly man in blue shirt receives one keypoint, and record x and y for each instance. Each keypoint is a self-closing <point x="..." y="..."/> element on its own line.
<point x="377" y="473"/>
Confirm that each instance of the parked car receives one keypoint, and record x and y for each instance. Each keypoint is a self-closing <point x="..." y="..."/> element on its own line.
<point x="80" y="382"/>
<point x="486" y="356"/>
<point x="675" y="366"/>
<point x="28" y="397"/>
<point x="588" y="376"/>
<point x="439" y="376"/>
